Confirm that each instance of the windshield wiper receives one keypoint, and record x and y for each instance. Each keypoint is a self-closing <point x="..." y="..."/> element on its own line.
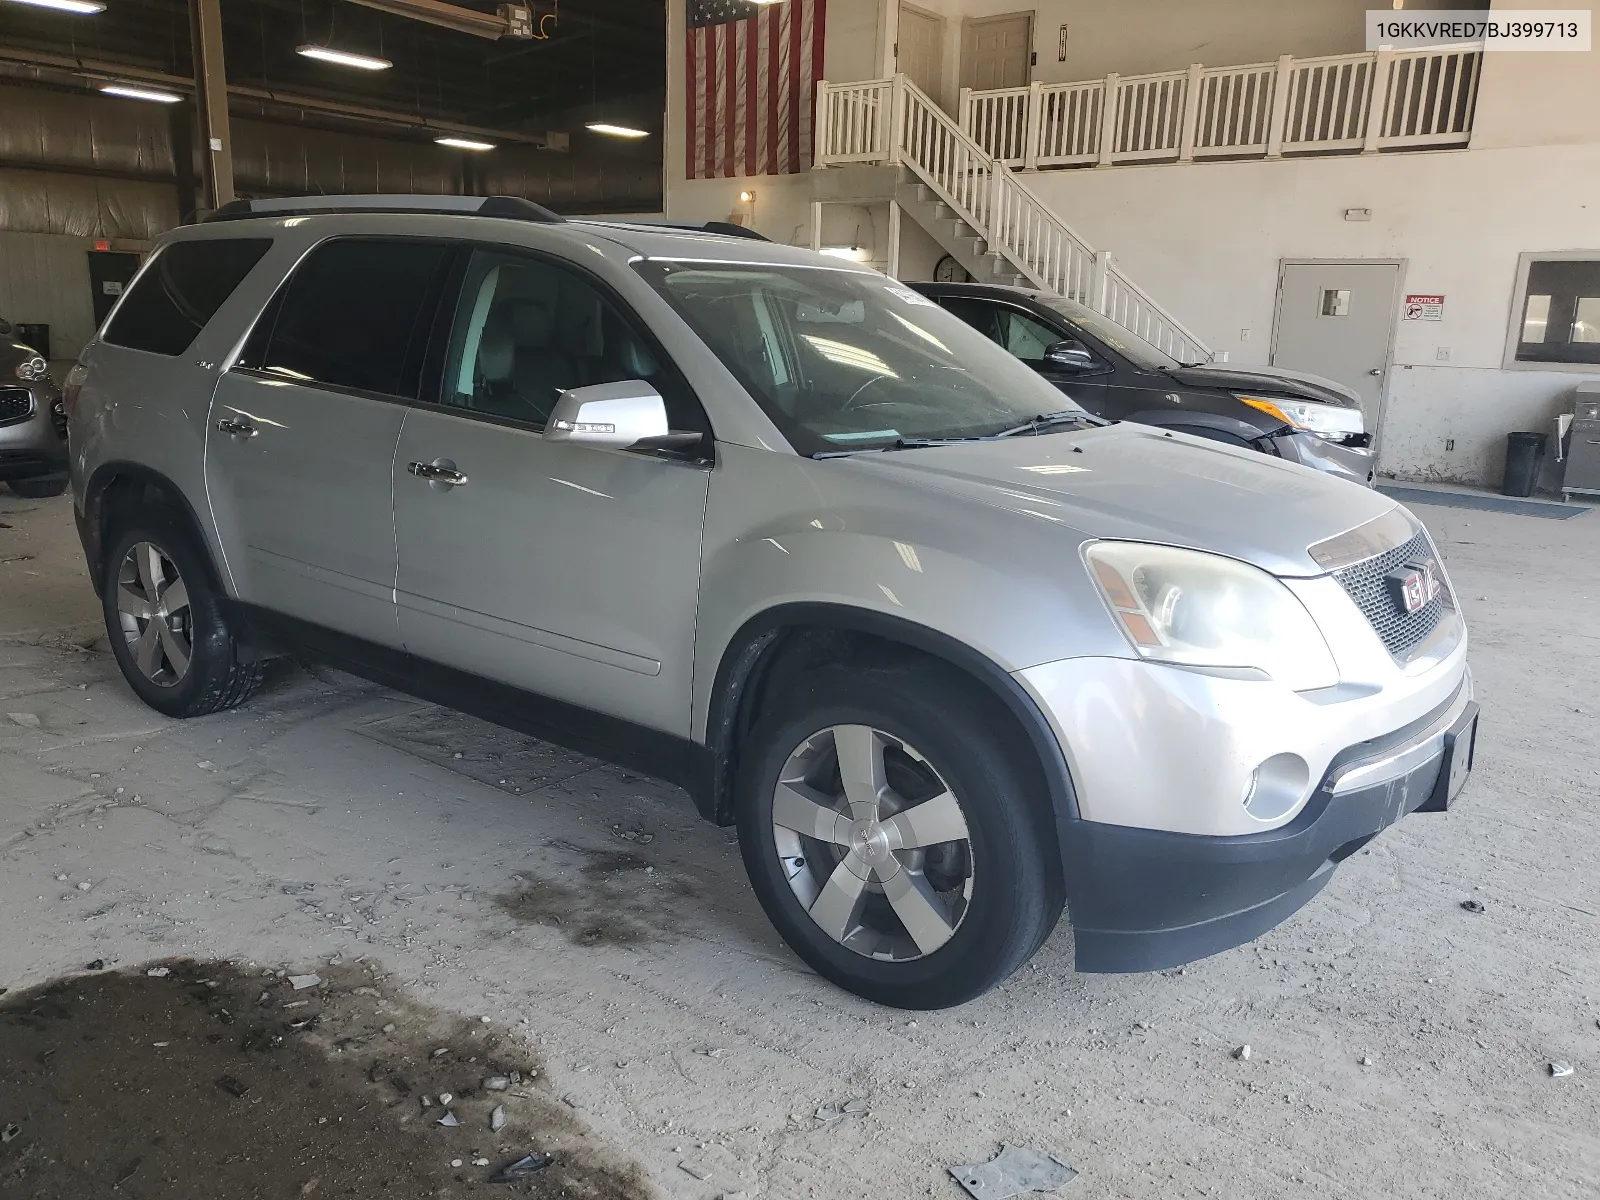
<point x="1044" y="420"/>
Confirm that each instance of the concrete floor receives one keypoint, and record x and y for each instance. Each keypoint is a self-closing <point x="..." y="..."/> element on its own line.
<point x="329" y="817"/>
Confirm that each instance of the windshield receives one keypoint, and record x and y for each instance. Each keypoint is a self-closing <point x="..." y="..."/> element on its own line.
<point x="842" y="360"/>
<point x="1138" y="351"/>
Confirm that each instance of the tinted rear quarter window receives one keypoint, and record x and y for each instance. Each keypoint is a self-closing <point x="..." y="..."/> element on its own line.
<point x="182" y="289"/>
<point x="356" y="314"/>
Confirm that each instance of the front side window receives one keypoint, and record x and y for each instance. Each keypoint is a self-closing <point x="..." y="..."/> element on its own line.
<point x="1560" y="314"/>
<point x="356" y="314"/>
<point x="180" y="291"/>
<point x="1024" y="336"/>
<point x="842" y="360"/>
<point x="527" y="330"/>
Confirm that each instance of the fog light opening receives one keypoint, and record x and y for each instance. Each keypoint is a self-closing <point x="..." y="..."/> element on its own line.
<point x="1276" y="786"/>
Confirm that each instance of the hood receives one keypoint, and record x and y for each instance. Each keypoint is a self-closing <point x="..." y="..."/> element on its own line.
<point x="1133" y="482"/>
<point x="1301" y="385"/>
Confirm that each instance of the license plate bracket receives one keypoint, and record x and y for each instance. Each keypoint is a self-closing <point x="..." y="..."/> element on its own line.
<point x="1460" y="747"/>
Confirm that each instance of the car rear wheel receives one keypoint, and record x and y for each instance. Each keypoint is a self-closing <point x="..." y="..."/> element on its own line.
<point x="892" y="838"/>
<point x="167" y="628"/>
<point x="39" y="489"/>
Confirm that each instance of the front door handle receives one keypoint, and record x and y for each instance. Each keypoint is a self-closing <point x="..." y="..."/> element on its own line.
<point x="437" y="472"/>
<point x="236" y="428"/>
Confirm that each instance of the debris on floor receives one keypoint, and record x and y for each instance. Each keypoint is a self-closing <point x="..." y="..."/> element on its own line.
<point x="830" y="1113"/>
<point x="301" y="982"/>
<point x="313" y="1110"/>
<point x="1472" y="906"/>
<point x="531" y="1164"/>
<point x="1560" y="1070"/>
<point x="25" y="719"/>
<point x="1012" y="1172"/>
<point x="1242" y="1053"/>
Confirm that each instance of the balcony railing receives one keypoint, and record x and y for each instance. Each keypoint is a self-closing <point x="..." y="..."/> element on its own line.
<point x="1345" y="103"/>
<point x="891" y="121"/>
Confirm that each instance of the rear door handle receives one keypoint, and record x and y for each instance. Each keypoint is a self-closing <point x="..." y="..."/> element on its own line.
<point x="236" y="428"/>
<point x="437" y="473"/>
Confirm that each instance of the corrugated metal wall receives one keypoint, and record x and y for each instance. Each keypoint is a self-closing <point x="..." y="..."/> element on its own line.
<point x="45" y="278"/>
<point x="106" y="168"/>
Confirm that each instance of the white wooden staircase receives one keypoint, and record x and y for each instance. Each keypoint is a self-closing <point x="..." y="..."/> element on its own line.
<point x="979" y="210"/>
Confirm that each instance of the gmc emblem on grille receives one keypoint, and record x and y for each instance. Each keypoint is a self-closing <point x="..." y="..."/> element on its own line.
<point x="1413" y="586"/>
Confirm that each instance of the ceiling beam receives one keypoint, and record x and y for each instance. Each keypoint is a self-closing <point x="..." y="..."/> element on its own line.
<point x="510" y="21"/>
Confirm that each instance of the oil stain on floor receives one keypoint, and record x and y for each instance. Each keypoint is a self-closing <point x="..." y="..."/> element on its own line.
<point x="618" y="899"/>
<point x="209" y="1080"/>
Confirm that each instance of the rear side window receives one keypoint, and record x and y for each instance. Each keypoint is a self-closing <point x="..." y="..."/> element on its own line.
<point x="356" y="314"/>
<point x="182" y="290"/>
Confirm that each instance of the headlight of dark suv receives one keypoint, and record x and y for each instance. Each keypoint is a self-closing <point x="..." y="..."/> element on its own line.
<point x="1324" y="420"/>
<point x="32" y="369"/>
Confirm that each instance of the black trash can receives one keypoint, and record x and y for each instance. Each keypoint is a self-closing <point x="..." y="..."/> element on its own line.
<point x="1524" y="457"/>
<point x="37" y="336"/>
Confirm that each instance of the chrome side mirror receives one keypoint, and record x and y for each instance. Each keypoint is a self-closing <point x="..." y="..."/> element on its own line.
<point x="1069" y="355"/>
<point x="630" y="415"/>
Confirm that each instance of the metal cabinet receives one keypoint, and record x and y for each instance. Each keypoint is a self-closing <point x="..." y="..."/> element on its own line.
<point x="1583" y="446"/>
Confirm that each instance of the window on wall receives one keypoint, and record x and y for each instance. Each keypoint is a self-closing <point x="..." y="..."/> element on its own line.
<point x="1558" y="319"/>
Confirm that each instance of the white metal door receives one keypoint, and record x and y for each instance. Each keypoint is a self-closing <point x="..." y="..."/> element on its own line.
<point x="922" y="49"/>
<point x="1336" y="319"/>
<point x="997" y="52"/>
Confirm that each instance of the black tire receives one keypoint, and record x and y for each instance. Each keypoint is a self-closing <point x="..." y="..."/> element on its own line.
<point x="39" y="489"/>
<point x="1017" y="894"/>
<point x="215" y="678"/>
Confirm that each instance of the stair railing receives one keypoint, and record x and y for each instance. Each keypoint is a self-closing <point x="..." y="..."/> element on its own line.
<point x="893" y="121"/>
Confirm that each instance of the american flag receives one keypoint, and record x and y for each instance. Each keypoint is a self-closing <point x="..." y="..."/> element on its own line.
<point x="751" y="80"/>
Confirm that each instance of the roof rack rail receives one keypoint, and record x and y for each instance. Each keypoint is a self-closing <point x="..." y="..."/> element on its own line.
<point x="721" y="228"/>
<point x="513" y="208"/>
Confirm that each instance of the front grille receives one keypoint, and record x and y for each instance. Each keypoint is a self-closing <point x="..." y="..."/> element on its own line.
<point x="1401" y="632"/>
<point x="16" y="404"/>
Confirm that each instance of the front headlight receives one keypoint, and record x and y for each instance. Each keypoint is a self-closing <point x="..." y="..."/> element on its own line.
<point x="30" y="369"/>
<point x="1204" y="610"/>
<point x="1324" y="420"/>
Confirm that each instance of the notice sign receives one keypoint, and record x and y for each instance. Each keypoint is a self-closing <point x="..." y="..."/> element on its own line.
<point x="1424" y="308"/>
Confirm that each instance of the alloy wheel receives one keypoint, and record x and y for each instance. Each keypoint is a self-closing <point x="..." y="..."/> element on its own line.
<point x="153" y="610"/>
<point x="874" y="844"/>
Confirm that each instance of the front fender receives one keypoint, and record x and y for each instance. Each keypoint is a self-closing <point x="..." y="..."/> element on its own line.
<point x="782" y="530"/>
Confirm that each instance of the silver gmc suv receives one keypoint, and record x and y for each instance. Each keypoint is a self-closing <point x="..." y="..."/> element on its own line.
<point x="951" y="653"/>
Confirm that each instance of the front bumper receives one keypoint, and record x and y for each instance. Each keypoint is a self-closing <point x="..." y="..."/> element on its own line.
<point x="1355" y="463"/>
<point x="1146" y="899"/>
<point x="36" y="443"/>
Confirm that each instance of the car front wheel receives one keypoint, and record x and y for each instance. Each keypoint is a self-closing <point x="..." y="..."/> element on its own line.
<point x="893" y="836"/>
<point x="39" y="489"/>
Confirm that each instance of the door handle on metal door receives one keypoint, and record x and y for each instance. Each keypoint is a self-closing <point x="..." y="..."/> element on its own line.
<point x="1375" y="371"/>
<point x="434" y="473"/>
<point x="236" y="428"/>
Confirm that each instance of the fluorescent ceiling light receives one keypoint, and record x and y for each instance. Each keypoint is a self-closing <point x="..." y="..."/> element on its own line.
<point x="130" y="92"/>
<point x="616" y="130"/>
<point x="461" y="143"/>
<point x="362" y="62"/>
<point x="81" y="7"/>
